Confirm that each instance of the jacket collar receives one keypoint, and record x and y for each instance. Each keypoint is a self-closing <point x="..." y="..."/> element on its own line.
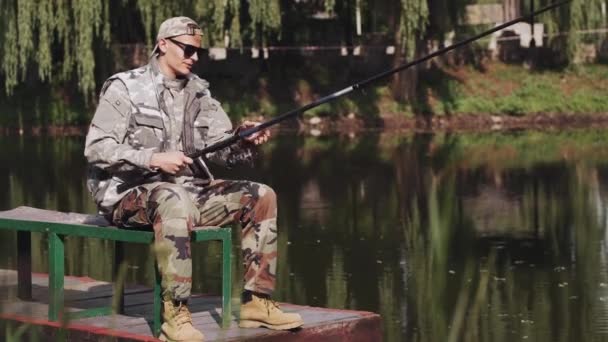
<point x="163" y="82"/>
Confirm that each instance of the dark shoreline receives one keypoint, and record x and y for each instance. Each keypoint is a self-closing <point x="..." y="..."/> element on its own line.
<point x="388" y="123"/>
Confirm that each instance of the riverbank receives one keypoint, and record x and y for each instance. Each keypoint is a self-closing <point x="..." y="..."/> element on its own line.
<point x="516" y="91"/>
<point x="496" y="96"/>
<point x="317" y="126"/>
<point x="500" y="96"/>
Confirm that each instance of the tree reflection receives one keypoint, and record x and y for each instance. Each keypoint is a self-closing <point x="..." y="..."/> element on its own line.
<point x="450" y="237"/>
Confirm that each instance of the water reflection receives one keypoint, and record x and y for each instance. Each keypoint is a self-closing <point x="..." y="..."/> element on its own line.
<point x="450" y="237"/>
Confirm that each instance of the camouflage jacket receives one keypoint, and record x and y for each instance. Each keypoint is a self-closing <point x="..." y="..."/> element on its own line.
<point x="133" y="120"/>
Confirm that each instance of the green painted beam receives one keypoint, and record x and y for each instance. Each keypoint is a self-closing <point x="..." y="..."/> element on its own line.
<point x="226" y="280"/>
<point x="82" y="230"/>
<point x="207" y="234"/>
<point x="56" y="273"/>
<point x="57" y="231"/>
<point x="106" y="233"/>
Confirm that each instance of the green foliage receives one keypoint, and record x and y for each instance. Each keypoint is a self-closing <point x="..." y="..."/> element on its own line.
<point x="561" y="24"/>
<point x="247" y="105"/>
<point x="32" y="28"/>
<point x="153" y="12"/>
<point x="9" y="57"/>
<point x="413" y="22"/>
<point x="222" y="20"/>
<point x="64" y="41"/>
<point x="448" y="15"/>
<point x="59" y="37"/>
<point x="330" y="6"/>
<point x="512" y="90"/>
<point x="265" y="16"/>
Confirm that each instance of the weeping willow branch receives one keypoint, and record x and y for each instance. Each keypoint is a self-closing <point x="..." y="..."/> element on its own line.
<point x="265" y="17"/>
<point x="29" y="33"/>
<point x="222" y="20"/>
<point x="56" y="40"/>
<point x="413" y="23"/>
<point x="330" y="6"/>
<point x="10" y="59"/>
<point x="577" y="15"/>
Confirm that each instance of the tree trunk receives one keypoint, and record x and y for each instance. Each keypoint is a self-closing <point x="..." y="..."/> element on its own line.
<point x="512" y="9"/>
<point x="348" y="24"/>
<point x="403" y="85"/>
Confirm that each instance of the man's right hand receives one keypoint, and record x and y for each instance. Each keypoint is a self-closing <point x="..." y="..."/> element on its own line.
<point x="170" y="162"/>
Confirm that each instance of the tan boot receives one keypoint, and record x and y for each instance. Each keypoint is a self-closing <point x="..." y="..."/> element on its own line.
<point x="263" y="312"/>
<point x="177" y="324"/>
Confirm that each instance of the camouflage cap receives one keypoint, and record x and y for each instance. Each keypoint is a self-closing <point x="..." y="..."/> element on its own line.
<point x="177" y="26"/>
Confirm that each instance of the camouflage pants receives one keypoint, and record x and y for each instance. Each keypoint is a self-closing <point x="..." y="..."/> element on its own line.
<point x="173" y="213"/>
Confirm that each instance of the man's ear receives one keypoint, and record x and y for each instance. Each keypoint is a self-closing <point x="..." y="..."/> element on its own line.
<point x="162" y="45"/>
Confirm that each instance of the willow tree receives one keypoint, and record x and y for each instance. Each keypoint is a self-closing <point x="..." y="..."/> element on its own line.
<point x="32" y="29"/>
<point x="564" y="23"/>
<point x="410" y="23"/>
<point x="60" y="38"/>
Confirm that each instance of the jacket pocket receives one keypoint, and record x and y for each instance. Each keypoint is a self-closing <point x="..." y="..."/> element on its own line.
<point x="148" y="120"/>
<point x="146" y="131"/>
<point x="201" y="129"/>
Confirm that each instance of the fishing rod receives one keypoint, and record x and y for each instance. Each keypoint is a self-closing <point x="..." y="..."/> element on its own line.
<point x="242" y="134"/>
<point x="292" y="113"/>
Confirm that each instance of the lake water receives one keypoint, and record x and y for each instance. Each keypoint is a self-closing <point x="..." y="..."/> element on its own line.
<point x="450" y="237"/>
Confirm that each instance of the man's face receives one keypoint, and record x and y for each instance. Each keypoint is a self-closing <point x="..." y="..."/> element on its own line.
<point x="180" y="53"/>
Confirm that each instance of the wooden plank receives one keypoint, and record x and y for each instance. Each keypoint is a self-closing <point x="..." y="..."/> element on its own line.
<point x="106" y="233"/>
<point x="33" y="309"/>
<point x="210" y="325"/>
<point x="206" y="313"/>
<point x="41" y="220"/>
<point x="73" y="282"/>
<point x="131" y="300"/>
<point x="96" y="226"/>
<point x="320" y="324"/>
<point x="139" y="326"/>
<point x="119" y="322"/>
<point x="208" y="319"/>
<point x="42" y="215"/>
<point x="75" y="332"/>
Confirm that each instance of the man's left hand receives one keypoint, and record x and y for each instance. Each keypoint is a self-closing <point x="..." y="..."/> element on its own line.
<point x="256" y="138"/>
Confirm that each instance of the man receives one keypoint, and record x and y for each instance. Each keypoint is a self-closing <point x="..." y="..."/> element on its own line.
<point x="147" y="120"/>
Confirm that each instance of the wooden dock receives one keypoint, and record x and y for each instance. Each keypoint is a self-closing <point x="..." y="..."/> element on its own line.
<point x="135" y="325"/>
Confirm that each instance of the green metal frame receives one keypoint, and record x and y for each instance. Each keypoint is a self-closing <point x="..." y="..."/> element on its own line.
<point x="56" y="233"/>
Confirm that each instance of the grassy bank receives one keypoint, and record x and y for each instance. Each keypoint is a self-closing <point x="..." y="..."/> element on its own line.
<point x="465" y="92"/>
<point x="514" y="90"/>
<point x="500" y="89"/>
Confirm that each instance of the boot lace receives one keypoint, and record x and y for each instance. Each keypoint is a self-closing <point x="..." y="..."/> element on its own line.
<point x="270" y="305"/>
<point x="183" y="315"/>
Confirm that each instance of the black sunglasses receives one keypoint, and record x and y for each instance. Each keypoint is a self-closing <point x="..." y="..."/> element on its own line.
<point x="188" y="49"/>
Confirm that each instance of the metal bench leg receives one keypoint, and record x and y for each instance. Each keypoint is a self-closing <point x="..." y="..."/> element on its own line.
<point x="226" y="280"/>
<point x="157" y="302"/>
<point x="56" y="273"/>
<point x="24" y="265"/>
